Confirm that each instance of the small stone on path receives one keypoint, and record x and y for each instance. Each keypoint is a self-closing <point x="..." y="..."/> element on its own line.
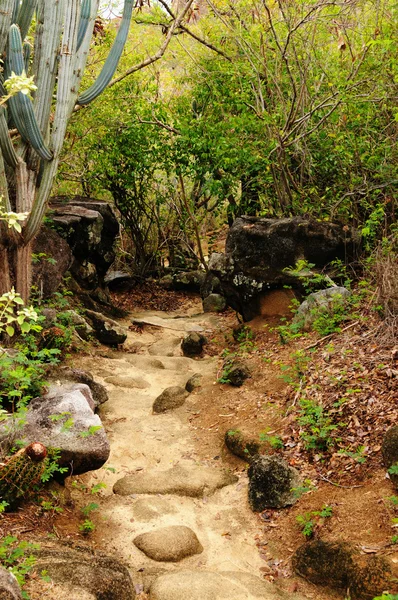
<point x="169" y="544"/>
<point x="170" y="398"/>
<point x="194" y="382"/>
<point x="193" y="481"/>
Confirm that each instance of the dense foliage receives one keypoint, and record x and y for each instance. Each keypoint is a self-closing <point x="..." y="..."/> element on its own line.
<point x="284" y="108"/>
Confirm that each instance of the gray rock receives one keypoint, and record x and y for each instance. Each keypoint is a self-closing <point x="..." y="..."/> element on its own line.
<point x="322" y="301"/>
<point x="90" y="228"/>
<point x="192" y="344"/>
<point x="390" y="452"/>
<point x="98" y="391"/>
<point x="170" y="398"/>
<point x="194" y="383"/>
<point x="56" y="259"/>
<point x="271" y="483"/>
<point x="193" y="481"/>
<point x="235" y="371"/>
<point x="80" y="324"/>
<point x="9" y="588"/>
<point x="207" y="585"/>
<point x="169" y="544"/>
<point x="64" y="421"/>
<point x="214" y="303"/>
<point x="127" y="381"/>
<point x="102" y="576"/>
<point x="57" y="390"/>
<point x="119" y="280"/>
<point x="190" y="281"/>
<point x="107" y="331"/>
<point x="50" y="316"/>
<point x="166" y="282"/>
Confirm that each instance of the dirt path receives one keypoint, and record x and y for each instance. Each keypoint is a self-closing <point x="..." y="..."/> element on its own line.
<point x="143" y="442"/>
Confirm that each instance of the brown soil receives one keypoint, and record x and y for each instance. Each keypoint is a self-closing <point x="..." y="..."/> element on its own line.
<point x="350" y="374"/>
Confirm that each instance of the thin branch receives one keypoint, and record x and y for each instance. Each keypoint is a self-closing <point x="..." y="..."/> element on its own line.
<point x="195" y="36"/>
<point x="159" y="54"/>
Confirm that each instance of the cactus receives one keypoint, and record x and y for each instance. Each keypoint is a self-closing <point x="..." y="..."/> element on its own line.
<point x="21" y="472"/>
<point x="32" y="131"/>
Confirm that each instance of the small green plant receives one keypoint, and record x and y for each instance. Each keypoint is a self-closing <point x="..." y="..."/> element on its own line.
<point x="17" y="557"/>
<point x="98" y="487"/>
<point x="387" y="597"/>
<point x="317" y="427"/>
<point x="89" y="508"/>
<point x="309" y="520"/>
<point x="92" y="430"/>
<point x="393" y="470"/>
<point x="86" y="527"/>
<point x="358" y="455"/>
<point x="307" y="525"/>
<point x="304" y="489"/>
<point x="273" y="440"/>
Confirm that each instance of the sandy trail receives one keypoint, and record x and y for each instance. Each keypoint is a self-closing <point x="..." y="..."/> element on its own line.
<point x="145" y="442"/>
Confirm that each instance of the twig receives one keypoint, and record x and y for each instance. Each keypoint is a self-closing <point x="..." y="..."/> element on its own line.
<point x="346" y="487"/>
<point x="326" y="337"/>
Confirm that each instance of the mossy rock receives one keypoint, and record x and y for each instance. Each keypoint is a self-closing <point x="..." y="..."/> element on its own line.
<point x="390" y="452"/>
<point x="339" y="565"/>
<point x="241" y="444"/>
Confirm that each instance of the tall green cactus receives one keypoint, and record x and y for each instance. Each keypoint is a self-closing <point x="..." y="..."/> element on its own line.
<point x="32" y="131"/>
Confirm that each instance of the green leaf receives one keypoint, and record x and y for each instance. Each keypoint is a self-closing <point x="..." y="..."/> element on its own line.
<point x="10" y="330"/>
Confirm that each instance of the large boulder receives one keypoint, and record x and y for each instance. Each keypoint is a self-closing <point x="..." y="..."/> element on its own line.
<point x="90" y="228"/>
<point x="259" y="250"/>
<point x="107" y="330"/>
<point x="52" y="258"/>
<point x="98" y="391"/>
<point x="65" y="420"/>
<point x="390" y="452"/>
<point x="272" y="483"/>
<point x="104" y="577"/>
<point x="9" y="588"/>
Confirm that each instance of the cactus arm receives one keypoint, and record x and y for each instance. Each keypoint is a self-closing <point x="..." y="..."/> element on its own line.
<point x="6" y="13"/>
<point x="112" y="61"/>
<point x="64" y="107"/>
<point x="50" y="16"/>
<point x="26" y="55"/>
<point x="21" y="105"/>
<point x="25" y="15"/>
<point x="85" y="17"/>
<point x="7" y="149"/>
<point x="15" y="11"/>
<point x="83" y="51"/>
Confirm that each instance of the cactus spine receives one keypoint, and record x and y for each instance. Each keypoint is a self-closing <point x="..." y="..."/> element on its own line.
<point x="29" y="161"/>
